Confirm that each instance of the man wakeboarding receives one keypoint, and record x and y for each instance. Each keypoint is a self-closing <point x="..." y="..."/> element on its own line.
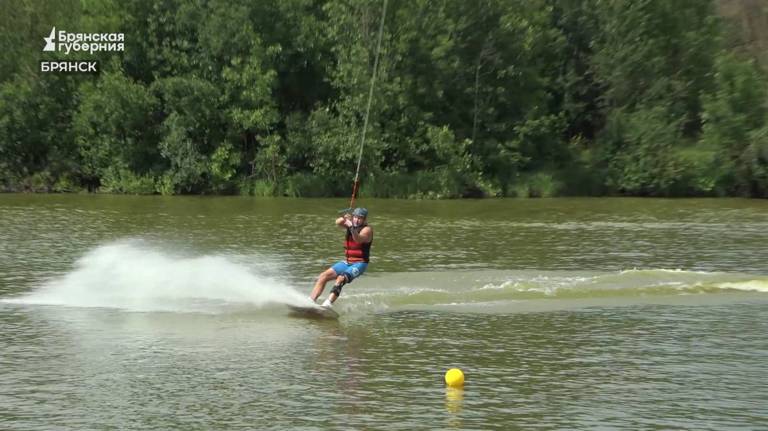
<point x="357" y="251"/>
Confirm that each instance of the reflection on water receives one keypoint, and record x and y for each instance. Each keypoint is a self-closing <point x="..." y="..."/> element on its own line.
<point x="454" y="398"/>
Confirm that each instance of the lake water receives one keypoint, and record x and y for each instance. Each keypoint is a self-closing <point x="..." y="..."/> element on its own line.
<point x="121" y="312"/>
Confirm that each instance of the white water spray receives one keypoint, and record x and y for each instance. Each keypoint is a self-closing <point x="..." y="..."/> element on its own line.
<point x="135" y="277"/>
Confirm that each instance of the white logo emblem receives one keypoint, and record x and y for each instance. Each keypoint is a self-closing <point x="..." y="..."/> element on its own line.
<point x="50" y="45"/>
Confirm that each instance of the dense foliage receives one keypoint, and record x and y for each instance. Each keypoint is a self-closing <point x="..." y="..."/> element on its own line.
<point x="479" y="98"/>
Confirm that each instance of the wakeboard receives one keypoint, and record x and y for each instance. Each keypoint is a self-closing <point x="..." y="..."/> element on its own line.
<point x="313" y="311"/>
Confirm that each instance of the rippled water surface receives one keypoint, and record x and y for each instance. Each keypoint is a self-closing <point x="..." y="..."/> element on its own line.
<point x="169" y="313"/>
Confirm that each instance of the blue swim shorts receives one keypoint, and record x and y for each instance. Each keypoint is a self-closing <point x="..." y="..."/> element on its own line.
<point x="352" y="270"/>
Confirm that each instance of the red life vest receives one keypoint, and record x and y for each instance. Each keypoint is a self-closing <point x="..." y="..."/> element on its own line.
<point x="356" y="251"/>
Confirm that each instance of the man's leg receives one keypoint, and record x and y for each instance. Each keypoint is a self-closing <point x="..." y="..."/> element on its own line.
<point x="350" y="273"/>
<point x="326" y="276"/>
<point x="341" y="280"/>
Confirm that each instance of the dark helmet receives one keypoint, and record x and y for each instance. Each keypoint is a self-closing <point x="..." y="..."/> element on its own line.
<point x="360" y="212"/>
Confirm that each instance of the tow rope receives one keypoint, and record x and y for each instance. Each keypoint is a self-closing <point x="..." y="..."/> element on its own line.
<point x="356" y="183"/>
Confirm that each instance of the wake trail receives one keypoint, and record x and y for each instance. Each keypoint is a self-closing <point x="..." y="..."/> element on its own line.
<point x="134" y="276"/>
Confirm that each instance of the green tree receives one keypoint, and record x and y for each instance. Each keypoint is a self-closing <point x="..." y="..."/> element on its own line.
<point x="734" y="121"/>
<point x="639" y="155"/>
<point x="114" y="128"/>
<point x="191" y="130"/>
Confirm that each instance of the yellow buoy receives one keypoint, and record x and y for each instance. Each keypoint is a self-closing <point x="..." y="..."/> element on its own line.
<point x="454" y="378"/>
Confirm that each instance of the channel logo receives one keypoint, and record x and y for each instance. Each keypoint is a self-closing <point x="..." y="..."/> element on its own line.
<point x="50" y="45"/>
<point x="62" y="41"/>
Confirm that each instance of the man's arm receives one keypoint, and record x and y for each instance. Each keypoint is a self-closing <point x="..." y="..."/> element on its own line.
<point x="365" y="235"/>
<point x="341" y="222"/>
<point x="344" y="222"/>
